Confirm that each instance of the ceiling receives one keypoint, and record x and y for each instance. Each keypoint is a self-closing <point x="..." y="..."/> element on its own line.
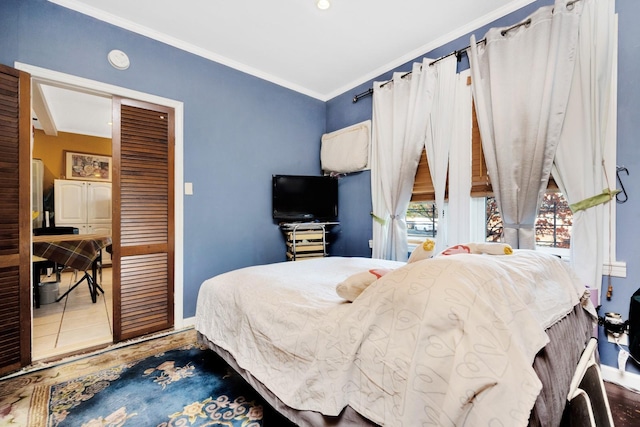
<point x="59" y="109"/>
<point x="320" y="53"/>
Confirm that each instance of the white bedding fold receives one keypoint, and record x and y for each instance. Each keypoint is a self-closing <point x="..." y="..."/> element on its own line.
<point x="444" y="341"/>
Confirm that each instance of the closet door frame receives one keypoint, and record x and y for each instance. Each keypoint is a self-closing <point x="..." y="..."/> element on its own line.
<point x="42" y="75"/>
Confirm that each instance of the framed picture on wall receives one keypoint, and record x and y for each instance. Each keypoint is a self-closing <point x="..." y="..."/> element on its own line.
<point x="86" y="166"/>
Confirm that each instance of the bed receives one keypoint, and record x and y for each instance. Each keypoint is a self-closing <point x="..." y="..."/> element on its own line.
<point x="465" y="339"/>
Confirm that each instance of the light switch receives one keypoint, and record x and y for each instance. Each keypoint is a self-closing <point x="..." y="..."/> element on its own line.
<point x="188" y="188"/>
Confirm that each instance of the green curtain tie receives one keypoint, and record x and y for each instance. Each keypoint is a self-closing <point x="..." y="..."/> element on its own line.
<point x="379" y="220"/>
<point x="596" y="200"/>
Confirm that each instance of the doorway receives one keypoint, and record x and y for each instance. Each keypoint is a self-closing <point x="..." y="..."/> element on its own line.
<point x="71" y="127"/>
<point x="43" y="76"/>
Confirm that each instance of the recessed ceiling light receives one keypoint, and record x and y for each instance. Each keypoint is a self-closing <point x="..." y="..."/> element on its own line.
<point x="323" y="4"/>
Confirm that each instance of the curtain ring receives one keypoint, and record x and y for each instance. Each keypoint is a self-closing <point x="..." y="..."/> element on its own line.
<point x="526" y="24"/>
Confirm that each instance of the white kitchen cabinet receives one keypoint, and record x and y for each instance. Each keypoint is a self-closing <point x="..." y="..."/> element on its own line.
<point x="85" y="205"/>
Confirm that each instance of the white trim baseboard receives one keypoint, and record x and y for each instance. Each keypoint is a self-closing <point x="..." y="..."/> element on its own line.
<point x="625" y="379"/>
<point x="189" y="322"/>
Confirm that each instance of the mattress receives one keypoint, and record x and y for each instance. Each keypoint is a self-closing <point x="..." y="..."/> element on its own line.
<point x="554" y="364"/>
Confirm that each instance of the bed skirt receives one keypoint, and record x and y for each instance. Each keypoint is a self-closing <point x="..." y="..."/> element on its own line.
<point x="555" y="365"/>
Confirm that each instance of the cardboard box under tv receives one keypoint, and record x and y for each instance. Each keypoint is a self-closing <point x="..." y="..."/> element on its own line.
<point x="305" y="240"/>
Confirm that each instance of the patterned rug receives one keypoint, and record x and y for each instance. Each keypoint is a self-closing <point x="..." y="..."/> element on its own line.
<point x="168" y="381"/>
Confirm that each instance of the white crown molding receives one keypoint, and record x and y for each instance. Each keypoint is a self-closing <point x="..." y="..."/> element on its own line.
<point x="179" y="44"/>
<point x="187" y="47"/>
<point x="422" y="50"/>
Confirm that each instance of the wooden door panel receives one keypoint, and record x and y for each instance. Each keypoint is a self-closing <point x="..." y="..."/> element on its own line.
<point x="15" y="218"/>
<point x="143" y="254"/>
<point x="10" y="317"/>
<point x="145" y="292"/>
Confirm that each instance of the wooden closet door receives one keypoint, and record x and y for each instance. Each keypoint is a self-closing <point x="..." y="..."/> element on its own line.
<point x="15" y="219"/>
<point x="143" y="219"/>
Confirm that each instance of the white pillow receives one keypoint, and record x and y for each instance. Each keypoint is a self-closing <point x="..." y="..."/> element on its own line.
<point x="456" y="249"/>
<point x="423" y="251"/>
<point x="490" y="248"/>
<point x="355" y="284"/>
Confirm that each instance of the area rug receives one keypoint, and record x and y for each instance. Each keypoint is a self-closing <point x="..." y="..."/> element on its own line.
<point x="170" y="381"/>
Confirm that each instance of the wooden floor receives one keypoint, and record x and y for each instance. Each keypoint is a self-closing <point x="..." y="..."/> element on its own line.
<point x="625" y="405"/>
<point x="74" y="323"/>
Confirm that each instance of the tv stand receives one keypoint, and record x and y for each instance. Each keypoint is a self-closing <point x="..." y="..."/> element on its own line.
<point x="306" y="240"/>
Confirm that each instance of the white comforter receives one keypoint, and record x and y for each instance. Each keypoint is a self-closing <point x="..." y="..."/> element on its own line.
<point x="444" y="341"/>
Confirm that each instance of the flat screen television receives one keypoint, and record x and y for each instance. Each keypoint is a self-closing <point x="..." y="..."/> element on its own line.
<point x="304" y="198"/>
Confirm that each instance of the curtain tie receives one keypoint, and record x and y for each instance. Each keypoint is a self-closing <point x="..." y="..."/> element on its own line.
<point x="379" y="220"/>
<point x="519" y="226"/>
<point x="592" y="201"/>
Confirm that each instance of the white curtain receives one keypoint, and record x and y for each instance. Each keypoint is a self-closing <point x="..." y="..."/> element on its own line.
<point x="459" y="210"/>
<point x="581" y="164"/>
<point x="440" y="132"/>
<point x="521" y="78"/>
<point x="400" y="114"/>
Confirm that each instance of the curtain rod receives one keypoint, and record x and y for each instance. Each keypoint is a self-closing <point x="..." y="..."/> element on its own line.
<point x="458" y="53"/>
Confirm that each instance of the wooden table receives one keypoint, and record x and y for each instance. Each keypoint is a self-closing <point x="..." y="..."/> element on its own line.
<point x="78" y="251"/>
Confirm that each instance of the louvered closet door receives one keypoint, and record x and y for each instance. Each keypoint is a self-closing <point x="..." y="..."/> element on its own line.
<point x="15" y="218"/>
<point x="143" y="223"/>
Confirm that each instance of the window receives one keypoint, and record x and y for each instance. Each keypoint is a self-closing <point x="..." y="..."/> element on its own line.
<point x="553" y="225"/>
<point x="422" y="220"/>
<point x="554" y="222"/>
<point x="421" y="214"/>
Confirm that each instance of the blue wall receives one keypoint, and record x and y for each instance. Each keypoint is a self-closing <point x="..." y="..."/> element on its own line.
<point x="628" y="214"/>
<point x="238" y="129"/>
<point x="355" y="189"/>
